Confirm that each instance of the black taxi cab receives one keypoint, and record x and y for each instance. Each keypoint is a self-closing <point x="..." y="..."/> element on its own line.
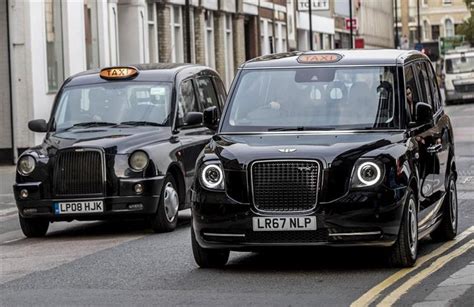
<point x="340" y="148"/>
<point x="121" y="142"/>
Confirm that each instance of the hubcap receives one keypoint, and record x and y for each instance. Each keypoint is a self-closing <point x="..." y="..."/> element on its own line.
<point x="171" y="202"/>
<point x="453" y="203"/>
<point x="413" y="227"/>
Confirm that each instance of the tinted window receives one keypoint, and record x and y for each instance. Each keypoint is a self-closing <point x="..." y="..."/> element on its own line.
<point x="434" y="87"/>
<point x="186" y="99"/>
<point x="207" y="94"/>
<point x="425" y="94"/>
<point x="220" y="92"/>
<point x="411" y="92"/>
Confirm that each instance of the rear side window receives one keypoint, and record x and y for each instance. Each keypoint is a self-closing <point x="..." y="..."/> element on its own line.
<point x="411" y="92"/>
<point x="207" y="93"/>
<point x="186" y="99"/>
<point x="220" y="92"/>
<point x="423" y="82"/>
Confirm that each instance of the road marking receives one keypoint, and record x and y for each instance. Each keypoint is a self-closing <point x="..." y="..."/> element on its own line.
<point x="8" y="211"/>
<point x="435" y="266"/>
<point x="374" y="293"/>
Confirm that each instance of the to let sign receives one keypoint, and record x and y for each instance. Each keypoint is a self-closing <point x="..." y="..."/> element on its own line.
<point x="316" y="5"/>
<point x="354" y="24"/>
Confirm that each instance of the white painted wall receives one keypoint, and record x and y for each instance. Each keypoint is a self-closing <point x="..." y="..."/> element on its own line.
<point x="133" y="29"/>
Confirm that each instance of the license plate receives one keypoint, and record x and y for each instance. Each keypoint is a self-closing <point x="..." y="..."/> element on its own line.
<point x="284" y="223"/>
<point x="74" y="207"/>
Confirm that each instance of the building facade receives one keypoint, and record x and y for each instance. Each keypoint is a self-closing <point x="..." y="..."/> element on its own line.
<point x="438" y="18"/>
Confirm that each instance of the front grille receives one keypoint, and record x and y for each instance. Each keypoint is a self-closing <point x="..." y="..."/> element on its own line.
<point x="319" y="235"/>
<point x="78" y="173"/>
<point x="285" y="185"/>
<point x="464" y="88"/>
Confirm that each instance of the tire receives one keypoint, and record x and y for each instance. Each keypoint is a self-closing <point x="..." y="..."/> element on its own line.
<point x="166" y="217"/>
<point x="33" y="228"/>
<point x="208" y="258"/>
<point x="448" y="228"/>
<point x="405" y="250"/>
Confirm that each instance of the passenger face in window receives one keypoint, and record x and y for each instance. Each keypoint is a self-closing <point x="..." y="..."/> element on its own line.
<point x="409" y="93"/>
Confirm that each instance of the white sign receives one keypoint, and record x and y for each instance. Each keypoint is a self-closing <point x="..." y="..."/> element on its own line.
<point x="316" y="5"/>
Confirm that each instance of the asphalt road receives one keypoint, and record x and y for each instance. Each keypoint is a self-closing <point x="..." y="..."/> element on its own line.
<point x="121" y="263"/>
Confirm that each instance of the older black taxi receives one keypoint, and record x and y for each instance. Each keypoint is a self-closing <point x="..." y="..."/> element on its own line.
<point x="121" y="142"/>
<point x="327" y="148"/>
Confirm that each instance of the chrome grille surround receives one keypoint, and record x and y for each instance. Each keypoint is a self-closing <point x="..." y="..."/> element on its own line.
<point x="79" y="172"/>
<point x="285" y="186"/>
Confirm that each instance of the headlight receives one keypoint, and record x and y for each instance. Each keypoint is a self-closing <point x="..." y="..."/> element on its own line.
<point x="212" y="176"/>
<point x="367" y="173"/>
<point x="26" y="165"/>
<point x="138" y="160"/>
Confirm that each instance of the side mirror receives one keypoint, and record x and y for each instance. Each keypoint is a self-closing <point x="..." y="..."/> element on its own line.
<point x="193" y="119"/>
<point x="424" y="113"/>
<point x="211" y="118"/>
<point x="38" y="125"/>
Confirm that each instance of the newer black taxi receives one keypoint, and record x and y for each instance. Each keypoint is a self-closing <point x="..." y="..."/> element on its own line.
<point x="327" y="148"/>
<point x="121" y="142"/>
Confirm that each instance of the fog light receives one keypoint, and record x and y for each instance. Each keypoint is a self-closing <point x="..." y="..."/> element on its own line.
<point x="135" y="206"/>
<point x="24" y="193"/>
<point x="138" y="188"/>
<point x="30" y="210"/>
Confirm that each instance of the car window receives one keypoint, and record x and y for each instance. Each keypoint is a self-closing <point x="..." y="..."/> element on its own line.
<point x="434" y="87"/>
<point x="423" y="83"/>
<point x="186" y="99"/>
<point x="207" y="93"/>
<point x="411" y="92"/>
<point x="220" y="92"/>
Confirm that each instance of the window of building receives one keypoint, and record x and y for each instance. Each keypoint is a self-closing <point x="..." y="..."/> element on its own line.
<point x="91" y="33"/>
<point x="284" y="39"/>
<point x="266" y="37"/>
<point x="447" y="2"/>
<point x="113" y="36"/>
<point x="152" y="33"/>
<point x="54" y="44"/>
<point x="229" y="50"/>
<point x="448" y="27"/>
<point x="177" y="43"/>
<point x="434" y="32"/>
<point x="426" y="30"/>
<point x="280" y="37"/>
<point x="425" y="3"/>
<point x="209" y="40"/>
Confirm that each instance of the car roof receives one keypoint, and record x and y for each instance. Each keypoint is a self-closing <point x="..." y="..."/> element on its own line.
<point x="348" y="57"/>
<point x="156" y="72"/>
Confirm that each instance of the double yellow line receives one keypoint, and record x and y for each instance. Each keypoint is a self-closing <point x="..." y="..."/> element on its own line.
<point x="371" y="295"/>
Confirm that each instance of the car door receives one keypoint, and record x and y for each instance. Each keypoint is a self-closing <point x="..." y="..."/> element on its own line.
<point x="193" y="138"/>
<point x="440" y="148"/>
<point x="420" y="134"/>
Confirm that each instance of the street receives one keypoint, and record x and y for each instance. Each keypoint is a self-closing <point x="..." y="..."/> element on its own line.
<point x="121" y="263"/>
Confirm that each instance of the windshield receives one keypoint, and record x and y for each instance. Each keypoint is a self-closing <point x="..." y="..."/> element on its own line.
<point x="460" y="65"/>
<point x="313" y="99"/>
<point x="132" y="103"/>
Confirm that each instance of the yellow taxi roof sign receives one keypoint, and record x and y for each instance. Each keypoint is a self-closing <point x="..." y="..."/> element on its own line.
<point x="118" y="72"/>
<point x="314" y="58"/>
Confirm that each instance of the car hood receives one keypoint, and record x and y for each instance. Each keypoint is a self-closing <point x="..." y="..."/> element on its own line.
<point x="238" y="150"/>
<point x="112" y="140"/>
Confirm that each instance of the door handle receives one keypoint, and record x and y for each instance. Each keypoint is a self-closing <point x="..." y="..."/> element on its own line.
<point x="434" y="148"/>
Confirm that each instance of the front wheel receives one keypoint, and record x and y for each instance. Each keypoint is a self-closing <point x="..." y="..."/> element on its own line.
<point x="33" y="228"/>
<point x="166" y="216"/>
<point x="405" y="251"/>
<point x="208" y="258"/>
<point x="448" y="228"/>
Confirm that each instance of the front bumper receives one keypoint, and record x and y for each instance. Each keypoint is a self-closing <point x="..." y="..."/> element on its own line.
<point x="122" y="205"/>
<point x="358" y="219"/>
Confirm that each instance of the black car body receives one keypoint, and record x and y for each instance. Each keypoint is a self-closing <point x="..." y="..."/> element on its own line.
<point x="120" y="142"/>
<point x="386" y="183"/>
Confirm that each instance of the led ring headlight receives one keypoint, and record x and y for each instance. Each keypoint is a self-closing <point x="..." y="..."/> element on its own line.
<point x="138" y="160"/>
<point x="26" y="165"/>
<point x="212" y="176"/>
<point x="369" y="173"/>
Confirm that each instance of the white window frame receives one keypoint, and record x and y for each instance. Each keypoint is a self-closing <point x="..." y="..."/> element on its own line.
<point x="446" y="28"/>
<point x="153" y="51"/>
<point x="209" y="49"/>
<point x="177" y="43"/>
<point x="229" y="49"/>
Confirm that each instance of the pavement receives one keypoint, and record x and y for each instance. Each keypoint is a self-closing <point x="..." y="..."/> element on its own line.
<point x="123" y="263"/>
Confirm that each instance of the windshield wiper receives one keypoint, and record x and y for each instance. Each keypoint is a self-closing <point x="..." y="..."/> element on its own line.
<point x="300" y="128"/>
<point x="91" y="124"/>
<point x="140" y="123"/>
